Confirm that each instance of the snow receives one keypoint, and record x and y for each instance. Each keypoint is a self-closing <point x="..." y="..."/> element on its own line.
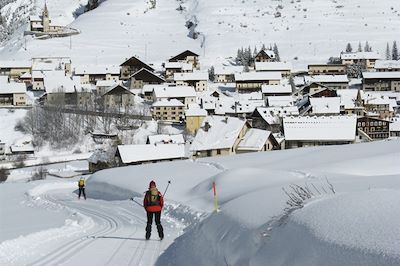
<point x="167" y="103"/>
<point x="222" y="134"/>
<point x="320" y="128"/>
<point x="15" y="64"/>
<point x="166" y="139"/>
<point x="174" y="92"/>
<point x="97" y="69"/>
<point x="280" y="101"/>
<point x="258" y="76"/>
<point x="254" y="139"/>
<point x="325" y="105"/>
<point x="387" y="64"/>
<point x="326" y="78"/>
<point x="273" y="66"/>
<point x="270" y="89"/>
<point x="360" y="55"/>
<point x="381" y="75"/>
<point x="11" y="87"/>
<point x="150" y="152"/>
<point x="191" y="76"/>
<point x="195" y="111"/>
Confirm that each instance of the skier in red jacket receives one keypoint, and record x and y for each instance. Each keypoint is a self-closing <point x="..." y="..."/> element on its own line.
<point x="153" y="203"/>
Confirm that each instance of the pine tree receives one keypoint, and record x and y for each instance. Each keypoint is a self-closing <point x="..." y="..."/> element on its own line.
<point x="349" y="49"/>
<point x="255" y="51"/>
<point x="388" y="54"/>
<point x="395" y="52"/>
<point x="367" y="48"/>
<point x="239" y="56"/>
<point x="276" y="52"/>
<point x="263" y="47"/>
<point x="359" y="47"/>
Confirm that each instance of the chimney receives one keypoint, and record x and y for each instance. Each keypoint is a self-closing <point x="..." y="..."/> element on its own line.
<point x="206" y="126"/>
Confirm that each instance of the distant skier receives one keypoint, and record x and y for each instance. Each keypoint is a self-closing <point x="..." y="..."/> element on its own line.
<point x="153" y="203"/>
<point x="81" y="185"/>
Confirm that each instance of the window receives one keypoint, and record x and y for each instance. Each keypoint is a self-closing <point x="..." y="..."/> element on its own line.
<point x="218" y="151"/>
<point x="380" y="123"/>
<point x="363" y="124"/>
<point x="359" y="124"/>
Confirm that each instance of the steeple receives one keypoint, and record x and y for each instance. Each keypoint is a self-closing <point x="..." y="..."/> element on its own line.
<point x="45" y="10"/>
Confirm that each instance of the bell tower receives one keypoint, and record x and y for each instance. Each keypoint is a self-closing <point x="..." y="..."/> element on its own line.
<point x="45" y="19"/>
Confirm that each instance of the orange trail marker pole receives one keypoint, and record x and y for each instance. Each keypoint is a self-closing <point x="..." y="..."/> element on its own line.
<point x="215" y="198"/>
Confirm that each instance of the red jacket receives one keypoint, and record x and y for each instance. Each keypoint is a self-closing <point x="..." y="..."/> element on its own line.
<point x="155" y="206"/>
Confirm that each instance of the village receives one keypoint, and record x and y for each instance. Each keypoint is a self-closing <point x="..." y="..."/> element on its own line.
<point x="222" y="110"/>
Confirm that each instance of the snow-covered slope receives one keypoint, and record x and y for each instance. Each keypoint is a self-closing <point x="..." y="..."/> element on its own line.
<point x="311" y="30"/>
<point x="351" y="216"/>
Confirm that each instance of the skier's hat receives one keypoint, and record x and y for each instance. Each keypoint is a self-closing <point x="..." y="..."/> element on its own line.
<point x="152" y="183"/>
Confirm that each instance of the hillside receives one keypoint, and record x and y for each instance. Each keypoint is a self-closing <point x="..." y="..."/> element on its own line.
<point x="309" y="30"/>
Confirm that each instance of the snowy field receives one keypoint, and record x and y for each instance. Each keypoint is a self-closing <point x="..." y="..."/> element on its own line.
<point x="311" y="30"/>
<point x="350" y="218"/>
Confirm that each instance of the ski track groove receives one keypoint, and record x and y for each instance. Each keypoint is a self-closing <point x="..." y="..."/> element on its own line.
<point x="109" y="225"/>
<point x="80" y="242"/>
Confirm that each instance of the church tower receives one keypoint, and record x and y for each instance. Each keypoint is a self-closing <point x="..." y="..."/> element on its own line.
<point x="45" y="19"/>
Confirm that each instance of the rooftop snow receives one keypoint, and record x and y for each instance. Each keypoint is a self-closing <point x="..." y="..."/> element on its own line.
<point x="254" y="139"/>
<point x="325" y="105"/>
<point x="360" y="55"/>
<point x="222" y="134"/>
<point x="166" y="139"/>
<point x="97" y="69"/>
<point x="174" y="92"/>
<point x="381" y="75"/>
<point x="227" y="70"/>
<point x="323" y="128"/>
<point x="191" y="76"/>
<point x="273" y="66"/>
<point x="149" y="152"/>
<point x="265" y="89"/>
<point x="326" y="78"/>
<point x="11" y="87"/>
<point x="167" y="103"/>
<point x="15" y="64"/>
<point x="258" y="76"/>
<point x="387" y="64"/>
<point x="280" y="100"/>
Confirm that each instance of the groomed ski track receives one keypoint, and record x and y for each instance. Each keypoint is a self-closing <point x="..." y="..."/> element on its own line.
<point x="116" y="237"/>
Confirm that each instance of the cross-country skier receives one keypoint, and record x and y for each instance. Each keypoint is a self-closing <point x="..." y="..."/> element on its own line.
<point x="81" y="185"/>
<point x="153" y="203"/>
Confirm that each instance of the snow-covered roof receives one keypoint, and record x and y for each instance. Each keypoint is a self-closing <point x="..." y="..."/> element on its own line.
<point x="11" y="87"/>
<point x="35" y="18"/>
<point x="272" y="114"/>
<point x="281" y="100"/>
<point x="56" y="81"/>
<point x="231" y="105"/>
<point x="381" y="75"/>
<point x="222" y="133"/>
<point x="167" y="103"/>
<point x="325" y="105"/>
<point x="151" y="87"/>
<point x="166" y="139"/>
<point x="347" y="97"/>
<point x="275" y="89"/>
<point x="97" y="69"/>
<point x="15" y="64"/>
<point x="174" y="92"/>
<point x="326" y="79"/>
<point x="258" y="76"/>
<point x="195" y="111"/>
<point x="26" y="75"/>
<point x="179" y="65"/>
<point x="149" y="152"/>
<point x="191" y="76"/>
<point x="387" y="64"/>
<point x="395" y="125"/>
<point x="323" y="128"/>
<point x="227" y="70"/>
<point x="254" y="139"/>
<point x="273" y="66"/>
<point x="360" y="55"/>
<point x="106" y="83"/>
<point x="22" y="148"/>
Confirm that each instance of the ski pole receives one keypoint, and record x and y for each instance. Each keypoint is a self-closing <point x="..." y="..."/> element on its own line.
<point x="132" y="199"/>
<point x="169" y="182"/>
